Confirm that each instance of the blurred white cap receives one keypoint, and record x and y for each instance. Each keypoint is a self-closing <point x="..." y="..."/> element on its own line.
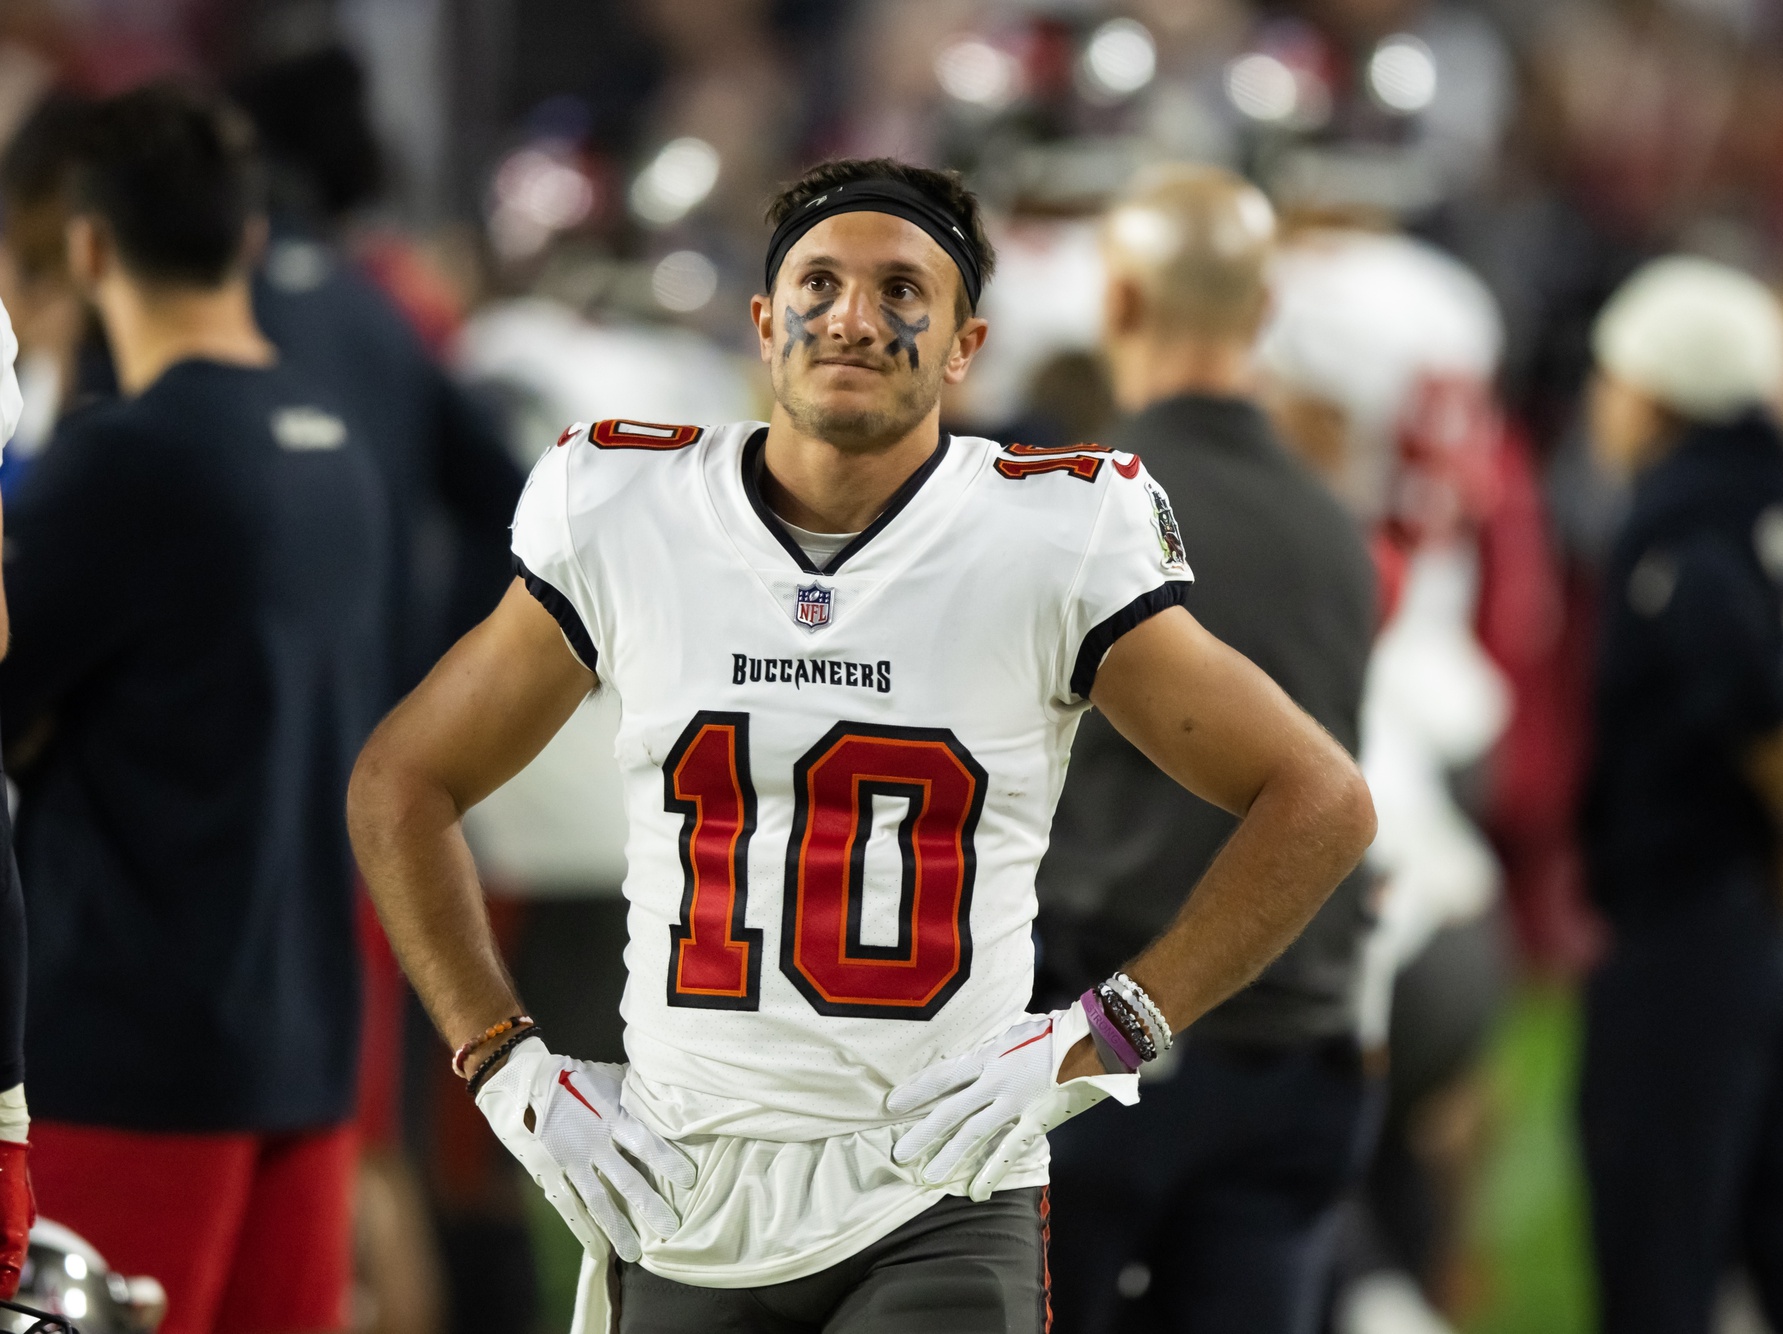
<point x="12" y="402"/>
<point x="1704" y="339"/>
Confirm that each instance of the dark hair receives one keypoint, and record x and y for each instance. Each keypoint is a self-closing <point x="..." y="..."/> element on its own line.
<point x="946" y="188"/>
<point x="34" y="174"/>
<point x="171" y="170"/>
<point x="311" y="116"/>
<point x="35" y="165"/>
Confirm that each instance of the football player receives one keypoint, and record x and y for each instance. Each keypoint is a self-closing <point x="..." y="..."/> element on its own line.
<point x="851" y="652"/>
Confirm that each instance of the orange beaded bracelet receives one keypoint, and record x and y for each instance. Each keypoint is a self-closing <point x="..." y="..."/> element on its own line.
<point x="462" y="1055"/>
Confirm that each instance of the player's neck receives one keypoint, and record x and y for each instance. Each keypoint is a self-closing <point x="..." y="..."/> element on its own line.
<point x="1147" y="370"/>
<point x="150" y="328"/>
<point x="811" y="483"/>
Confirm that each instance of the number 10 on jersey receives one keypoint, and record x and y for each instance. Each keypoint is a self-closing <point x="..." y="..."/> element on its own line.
<point x="715" y="960"/>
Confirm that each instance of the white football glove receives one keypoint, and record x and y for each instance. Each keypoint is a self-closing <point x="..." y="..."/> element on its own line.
<point x="1009" y="1084"/>
<point x="572" y="1146"/>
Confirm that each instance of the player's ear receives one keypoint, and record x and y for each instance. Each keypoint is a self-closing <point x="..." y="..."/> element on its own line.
<point x="88" y="249"/>
<point x="761" y="310"/>
<point x="967" y="339"/>
<point x="254" y="239"/>
<point x="1123" y="306"/>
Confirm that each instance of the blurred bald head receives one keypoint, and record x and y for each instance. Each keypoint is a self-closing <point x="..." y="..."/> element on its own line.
<point x="1187" y="251"/>
<point x="1197" y="240"/>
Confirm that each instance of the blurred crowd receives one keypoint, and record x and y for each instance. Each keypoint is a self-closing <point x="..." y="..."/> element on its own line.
<point x="551" y="210"/>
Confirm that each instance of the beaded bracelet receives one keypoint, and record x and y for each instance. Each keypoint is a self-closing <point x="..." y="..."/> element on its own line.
<point x="1109" y="1040"/>
<point x="487" y="1068"/>
<point x="1137" y="996"/>
<point x="462" y="1055"/>
<point x="1127" y="1019"/>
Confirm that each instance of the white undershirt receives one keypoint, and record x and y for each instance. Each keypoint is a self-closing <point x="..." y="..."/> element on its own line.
<point x="822" y="548"/>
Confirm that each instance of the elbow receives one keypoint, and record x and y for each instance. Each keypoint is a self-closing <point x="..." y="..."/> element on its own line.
<point x="393" y="797"/>
<point x="1355" y="817"/>
<point x="378" y="793"/>
<point x="365" y="789"/>
<point x="1336" y="808"/>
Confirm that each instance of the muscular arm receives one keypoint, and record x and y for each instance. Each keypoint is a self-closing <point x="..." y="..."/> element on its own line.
<point x="481" y="715"/>
<point x="1216" y="724"/>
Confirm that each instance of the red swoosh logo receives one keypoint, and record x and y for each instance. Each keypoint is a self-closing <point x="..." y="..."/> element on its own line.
<point x="1031" y="1041"/>
<point x="563" y="1077"/>
<point x="1129" y="469"/>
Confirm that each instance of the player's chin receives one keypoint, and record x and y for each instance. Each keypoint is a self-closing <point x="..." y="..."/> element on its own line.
<point x="855" y="421"/>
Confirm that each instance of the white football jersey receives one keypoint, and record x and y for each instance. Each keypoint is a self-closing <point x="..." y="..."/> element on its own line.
<point x="839" y="783"/>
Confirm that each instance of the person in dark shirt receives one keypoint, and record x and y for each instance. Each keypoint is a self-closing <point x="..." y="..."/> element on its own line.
<point x="198" y="579"/>
<point x="1229" y="1168"/>
<point x="453" y="484"/>
<point x="1679" y="1111"/>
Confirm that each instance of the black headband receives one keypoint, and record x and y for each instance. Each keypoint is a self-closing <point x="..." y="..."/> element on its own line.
<point x="881" y="195"/>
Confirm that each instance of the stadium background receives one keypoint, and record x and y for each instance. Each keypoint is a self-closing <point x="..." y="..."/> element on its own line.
<point x="568" y="208"/>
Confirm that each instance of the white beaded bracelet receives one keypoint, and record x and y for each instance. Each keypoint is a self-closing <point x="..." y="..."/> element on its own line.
<point x="1135" y="995"/>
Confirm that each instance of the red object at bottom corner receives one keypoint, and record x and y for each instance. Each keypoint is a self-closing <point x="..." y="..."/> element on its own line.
<point x="18" y="1210"/>
<point x="248" y="1233"/>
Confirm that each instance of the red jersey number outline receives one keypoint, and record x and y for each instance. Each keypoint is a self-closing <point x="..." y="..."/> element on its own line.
<point x="620" y="433"/>
<point x="715" y="961"/>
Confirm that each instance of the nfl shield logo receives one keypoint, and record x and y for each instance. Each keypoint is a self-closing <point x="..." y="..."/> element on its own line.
<point x="812" y="608"/>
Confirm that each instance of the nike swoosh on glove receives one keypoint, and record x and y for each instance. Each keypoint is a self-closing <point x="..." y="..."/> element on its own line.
<point x="1009" y="1084"/>
<point x="18" y="1210"/>
<point x="572" y="1145"/>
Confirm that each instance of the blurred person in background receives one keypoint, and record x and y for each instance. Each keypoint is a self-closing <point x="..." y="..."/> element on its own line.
<point x="17" y="1208"/>
<point x="452" y="486"/>
<point x="452" y="483"/>
<point x="55" y="327"/>
<point x="197" y="574"/>
<point x="1679" y="1102"/>
<point x="1213" y="1199"/>
<point x="1378" y="365"/>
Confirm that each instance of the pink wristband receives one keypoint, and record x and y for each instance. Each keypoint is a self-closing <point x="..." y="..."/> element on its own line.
<point x="1104" y="1028"/>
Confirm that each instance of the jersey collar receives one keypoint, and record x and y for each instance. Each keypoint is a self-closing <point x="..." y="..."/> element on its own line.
<point x="752" y="467"/>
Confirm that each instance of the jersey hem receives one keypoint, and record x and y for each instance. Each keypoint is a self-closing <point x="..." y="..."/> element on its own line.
<point x="832" y="1252"/>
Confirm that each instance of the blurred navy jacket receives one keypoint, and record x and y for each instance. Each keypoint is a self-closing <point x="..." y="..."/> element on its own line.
<point x="1690" y="675"/>
<point x="452" y="485"/>
<point x="198" y="581"/>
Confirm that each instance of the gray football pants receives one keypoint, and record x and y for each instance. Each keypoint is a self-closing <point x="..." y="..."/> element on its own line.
<point x="957" y="1268"/>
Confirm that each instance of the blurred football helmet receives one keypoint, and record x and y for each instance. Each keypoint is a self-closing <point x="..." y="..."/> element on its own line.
<point x="67" y="1279"/>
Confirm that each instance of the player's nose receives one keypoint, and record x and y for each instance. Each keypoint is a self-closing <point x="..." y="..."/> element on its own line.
<point x="854" y="320"/>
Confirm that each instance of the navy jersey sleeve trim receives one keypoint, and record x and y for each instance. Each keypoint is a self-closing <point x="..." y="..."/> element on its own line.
<point x="1096" y="644"/>
<point x="561" y="612"/>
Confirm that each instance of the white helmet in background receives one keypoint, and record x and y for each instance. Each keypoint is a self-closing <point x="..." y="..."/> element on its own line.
<point x="1401" y="338"/>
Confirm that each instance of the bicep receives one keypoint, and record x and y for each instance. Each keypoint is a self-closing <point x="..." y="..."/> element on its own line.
<point x="490" y="705"/>
<point x="1200" y="710"/>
